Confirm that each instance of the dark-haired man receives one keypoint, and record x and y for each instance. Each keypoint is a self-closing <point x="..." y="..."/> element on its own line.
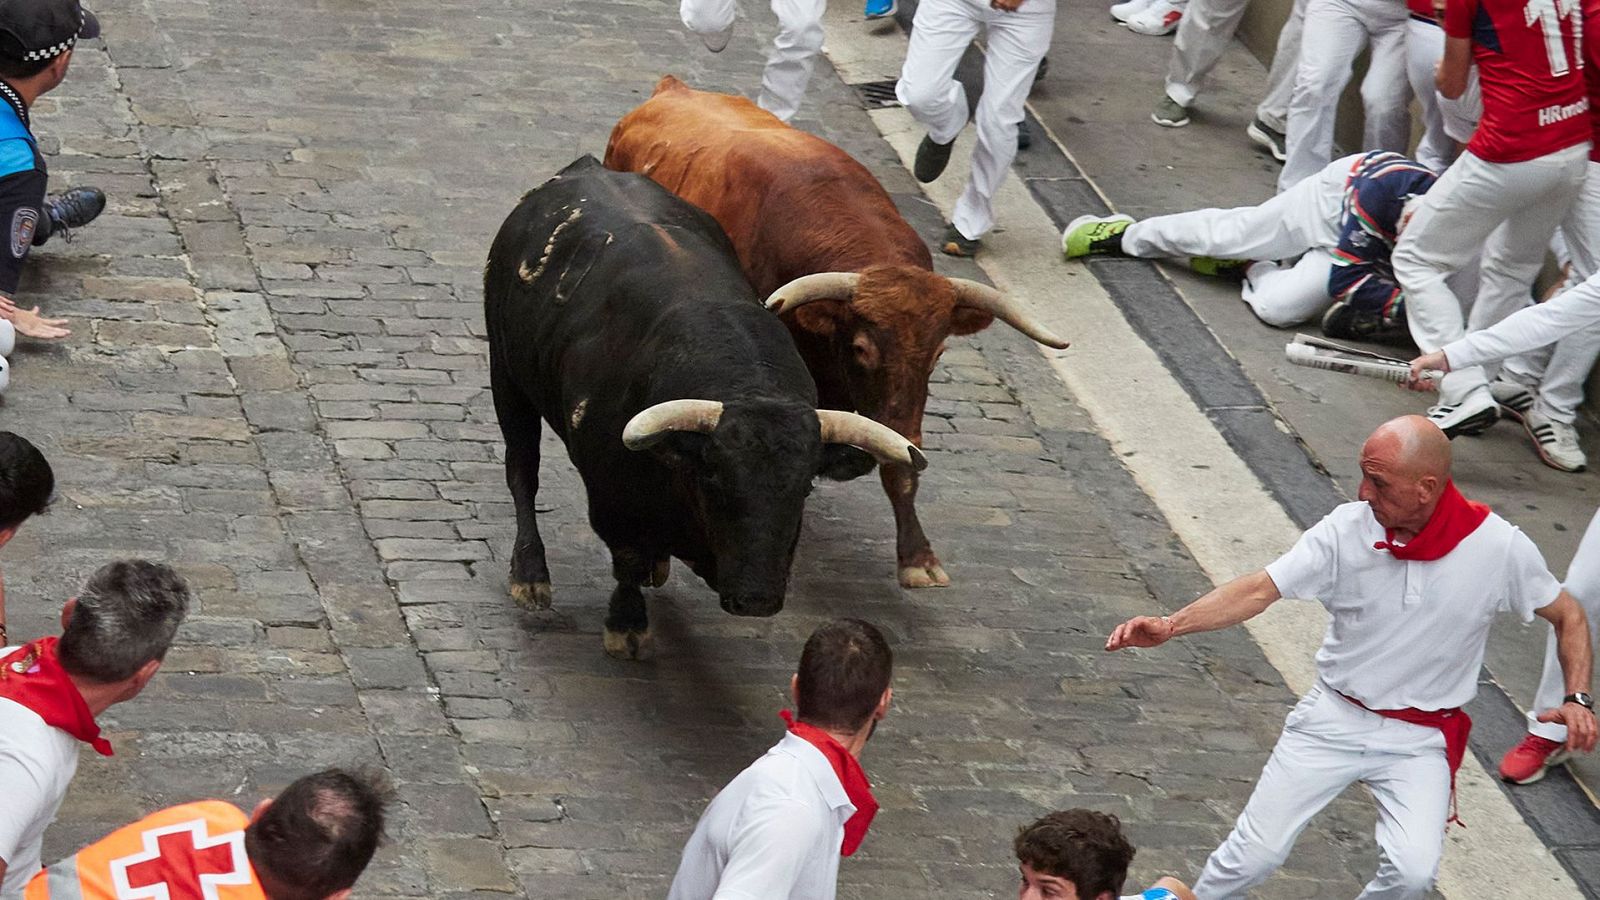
<point x="37" y="38"/>
<point x="1081" y="854"/>
<point x="777" y="830"/>
<point x="114" y="635"/>
<point x="311" y="843"/>
<point x="26" y="484"/>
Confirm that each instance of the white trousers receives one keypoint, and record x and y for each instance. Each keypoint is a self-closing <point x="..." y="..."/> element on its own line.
<point x="1446" y="123"/>
<point x="1204" y="32"/>
<point x="1341" y="30"/>
<point x="1327" y="744"/>
<point x="794" y="50"/>
<point x="940" y="32"/>
<point x="1302" y="220"/>
<point x="1583" y="582"/>
<point x="1507" y="209"/>
<point x="1560" y="372"/>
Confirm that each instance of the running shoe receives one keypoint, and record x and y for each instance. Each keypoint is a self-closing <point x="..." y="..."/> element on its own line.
<point x="1219" y="268"/>
<point x="1122" y="12"/>
<point x="1271" y="139"/>
<point x="1094" y="235"/>
<point x="880" y="9"/>
<point x="1515" y="398"/>
<point x="1160" y="18"/>
<point x="932" y="157"/>
<point x="957" y="244"/>
<point x="1528" y="761"/>
<point x="1343" y="322"/>
<point x="1556" y="442"/>
<point x="1473" y="415"/>
<point x="1170" y="113"/>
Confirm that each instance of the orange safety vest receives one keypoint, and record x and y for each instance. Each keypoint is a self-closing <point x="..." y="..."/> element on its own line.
<point x="189" y="852"/>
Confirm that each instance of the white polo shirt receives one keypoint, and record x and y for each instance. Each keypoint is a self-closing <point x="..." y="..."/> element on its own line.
<point x="773" y="833"/>
<point x="37" y="763"/>
<point x="1409" y="634"/>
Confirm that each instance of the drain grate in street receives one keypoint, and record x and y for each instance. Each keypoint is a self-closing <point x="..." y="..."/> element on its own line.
<point x="876" y="94"/>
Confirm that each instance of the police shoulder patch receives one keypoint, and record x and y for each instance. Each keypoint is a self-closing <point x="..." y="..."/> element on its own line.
<point x="23" y="223"/>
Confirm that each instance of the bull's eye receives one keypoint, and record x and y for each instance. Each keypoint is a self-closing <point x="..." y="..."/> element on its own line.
<point x="865" y="351"/>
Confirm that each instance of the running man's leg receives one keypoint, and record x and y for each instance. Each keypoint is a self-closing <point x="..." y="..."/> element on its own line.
<point x="1016" y="42"/>
<point x="1424" y="49"/>
<point x="1325" y="68"/>
<point x="1386" y="90"/>
<point x="1273" y="110"/>
<point x="707" y="16"/>
<point x="1413" y="796"/>
<point x="1583" y="583"/>
<point x="940" y="33"/>
<point x="1204" y="33"/>
<point x="793" y="56"/>
<point x="1565" y="373"/>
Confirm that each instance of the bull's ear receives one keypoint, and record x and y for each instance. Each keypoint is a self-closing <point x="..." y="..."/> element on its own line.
<point x="822" y="317"/>
<point x="842" y="462"/>
<point x="967" y="320"/>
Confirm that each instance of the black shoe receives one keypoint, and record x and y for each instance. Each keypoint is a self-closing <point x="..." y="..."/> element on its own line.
<point x="1039" y="73"/>
<point x="1024" y="135"/>
<point x="932" y="157"/>
<point x="1342" y="322"/>
<point x="957" y="244"/>
<point x="73" y="209"/>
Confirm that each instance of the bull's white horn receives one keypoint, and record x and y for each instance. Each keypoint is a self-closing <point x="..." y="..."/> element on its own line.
<point x="806" y="288"/>
<point x="981" y="296"/>
<point x="652" y="424"/>
<point x="881" y="441"/>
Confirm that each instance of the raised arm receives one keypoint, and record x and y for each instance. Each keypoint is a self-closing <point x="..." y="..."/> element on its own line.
<point x="1576" y="655"/>
<point x="1242" y="598"/>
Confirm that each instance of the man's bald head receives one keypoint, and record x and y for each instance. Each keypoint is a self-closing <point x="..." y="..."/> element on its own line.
<point x="1405" y="466"/>
<point x="1415" y="445"/>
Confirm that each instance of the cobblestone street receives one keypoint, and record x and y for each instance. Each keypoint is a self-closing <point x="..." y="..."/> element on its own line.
<point x="277" y="381"/>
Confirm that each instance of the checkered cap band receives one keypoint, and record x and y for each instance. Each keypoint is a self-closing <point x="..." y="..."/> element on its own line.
<point x="56" y="50"/>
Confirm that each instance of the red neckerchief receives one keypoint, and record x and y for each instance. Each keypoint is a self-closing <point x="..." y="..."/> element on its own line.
<point x="32" y="676"/>
<point x="1454" y="724"/>
<point x="856" y="786"/>
<point x="1453" y="519"/>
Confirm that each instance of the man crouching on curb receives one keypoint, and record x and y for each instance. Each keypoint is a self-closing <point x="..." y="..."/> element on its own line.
<point x="777" y="830"/>
<point x="1412" y="576"/>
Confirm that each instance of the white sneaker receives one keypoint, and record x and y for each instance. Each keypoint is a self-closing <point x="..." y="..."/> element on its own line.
<point x="1473" y="415"/>
<point x="5" y="374"/>
<point x="1515" y="398"/>
<point x="8" y="337"/>
<point x="717" y="41"/>
<point x="1161" y="17"/>
<point x="1123" y="11"/>
<point x="1556" y="442"/>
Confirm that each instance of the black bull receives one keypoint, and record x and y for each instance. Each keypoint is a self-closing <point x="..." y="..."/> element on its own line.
<point x="619" y="315"/>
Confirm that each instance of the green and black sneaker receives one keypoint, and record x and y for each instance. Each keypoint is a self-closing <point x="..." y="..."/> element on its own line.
<point x="1219" y="268"/>
<point x="1094" y="235"/>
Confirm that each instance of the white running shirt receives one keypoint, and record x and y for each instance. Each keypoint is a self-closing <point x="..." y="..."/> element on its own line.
<point x="1410" y="634"/>
<point x="773" y="833"/>
<point x="37" y="763"/>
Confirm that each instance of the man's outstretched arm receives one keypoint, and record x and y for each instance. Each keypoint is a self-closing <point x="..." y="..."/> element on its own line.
<point x="1242" y="598"/>
<point x="1577" y="660"/>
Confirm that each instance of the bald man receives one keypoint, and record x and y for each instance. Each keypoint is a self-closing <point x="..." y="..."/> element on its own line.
<point x="1411" y="576"/>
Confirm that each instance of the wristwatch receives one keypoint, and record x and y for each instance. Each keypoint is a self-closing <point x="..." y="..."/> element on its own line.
<point x="1580" y="698"/>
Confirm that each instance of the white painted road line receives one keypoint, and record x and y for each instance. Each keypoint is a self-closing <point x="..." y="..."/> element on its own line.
<point x="1215" y="504"/>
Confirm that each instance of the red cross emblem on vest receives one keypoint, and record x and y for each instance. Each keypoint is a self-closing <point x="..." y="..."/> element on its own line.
<point x="181" y="862"/>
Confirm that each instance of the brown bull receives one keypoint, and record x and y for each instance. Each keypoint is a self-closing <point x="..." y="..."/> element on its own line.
<point x="818" y="235"/>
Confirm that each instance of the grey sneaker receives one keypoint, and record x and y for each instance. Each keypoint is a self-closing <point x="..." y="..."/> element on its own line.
<point x="1515" y="398"/>
<point x="1556" y="442"/>
<point x="1271" y="139"/>
<point x="1170" y="113"/>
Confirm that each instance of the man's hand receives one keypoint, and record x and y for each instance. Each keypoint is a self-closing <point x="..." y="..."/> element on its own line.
<point x="1427" y="362"/>
<point x="1581" y="729"/>
<point x="1141" y="631"/>
<point x="29" y="323"/>
<point x="1005" y="5"/>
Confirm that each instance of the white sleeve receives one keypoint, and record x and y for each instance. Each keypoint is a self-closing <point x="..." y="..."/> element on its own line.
<point x="1527" y="329"/>
<point x="27" y="797"/>
<point x="769" y="845"/>
<point x="1311" y="568"/>
<point x="1529" y="584"/>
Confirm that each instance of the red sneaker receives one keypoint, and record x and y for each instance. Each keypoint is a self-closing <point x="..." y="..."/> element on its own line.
<point x="1528" y="761"/>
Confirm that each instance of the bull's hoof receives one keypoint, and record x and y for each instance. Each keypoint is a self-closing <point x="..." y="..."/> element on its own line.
<point x="534" y="596"/>
<point x="660" y="572"/>
<point x="925" y="576"/>
<point x="627" y="644"/>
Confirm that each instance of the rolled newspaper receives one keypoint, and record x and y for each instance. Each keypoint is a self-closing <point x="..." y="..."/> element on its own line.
<point x="1318" y="353"/>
